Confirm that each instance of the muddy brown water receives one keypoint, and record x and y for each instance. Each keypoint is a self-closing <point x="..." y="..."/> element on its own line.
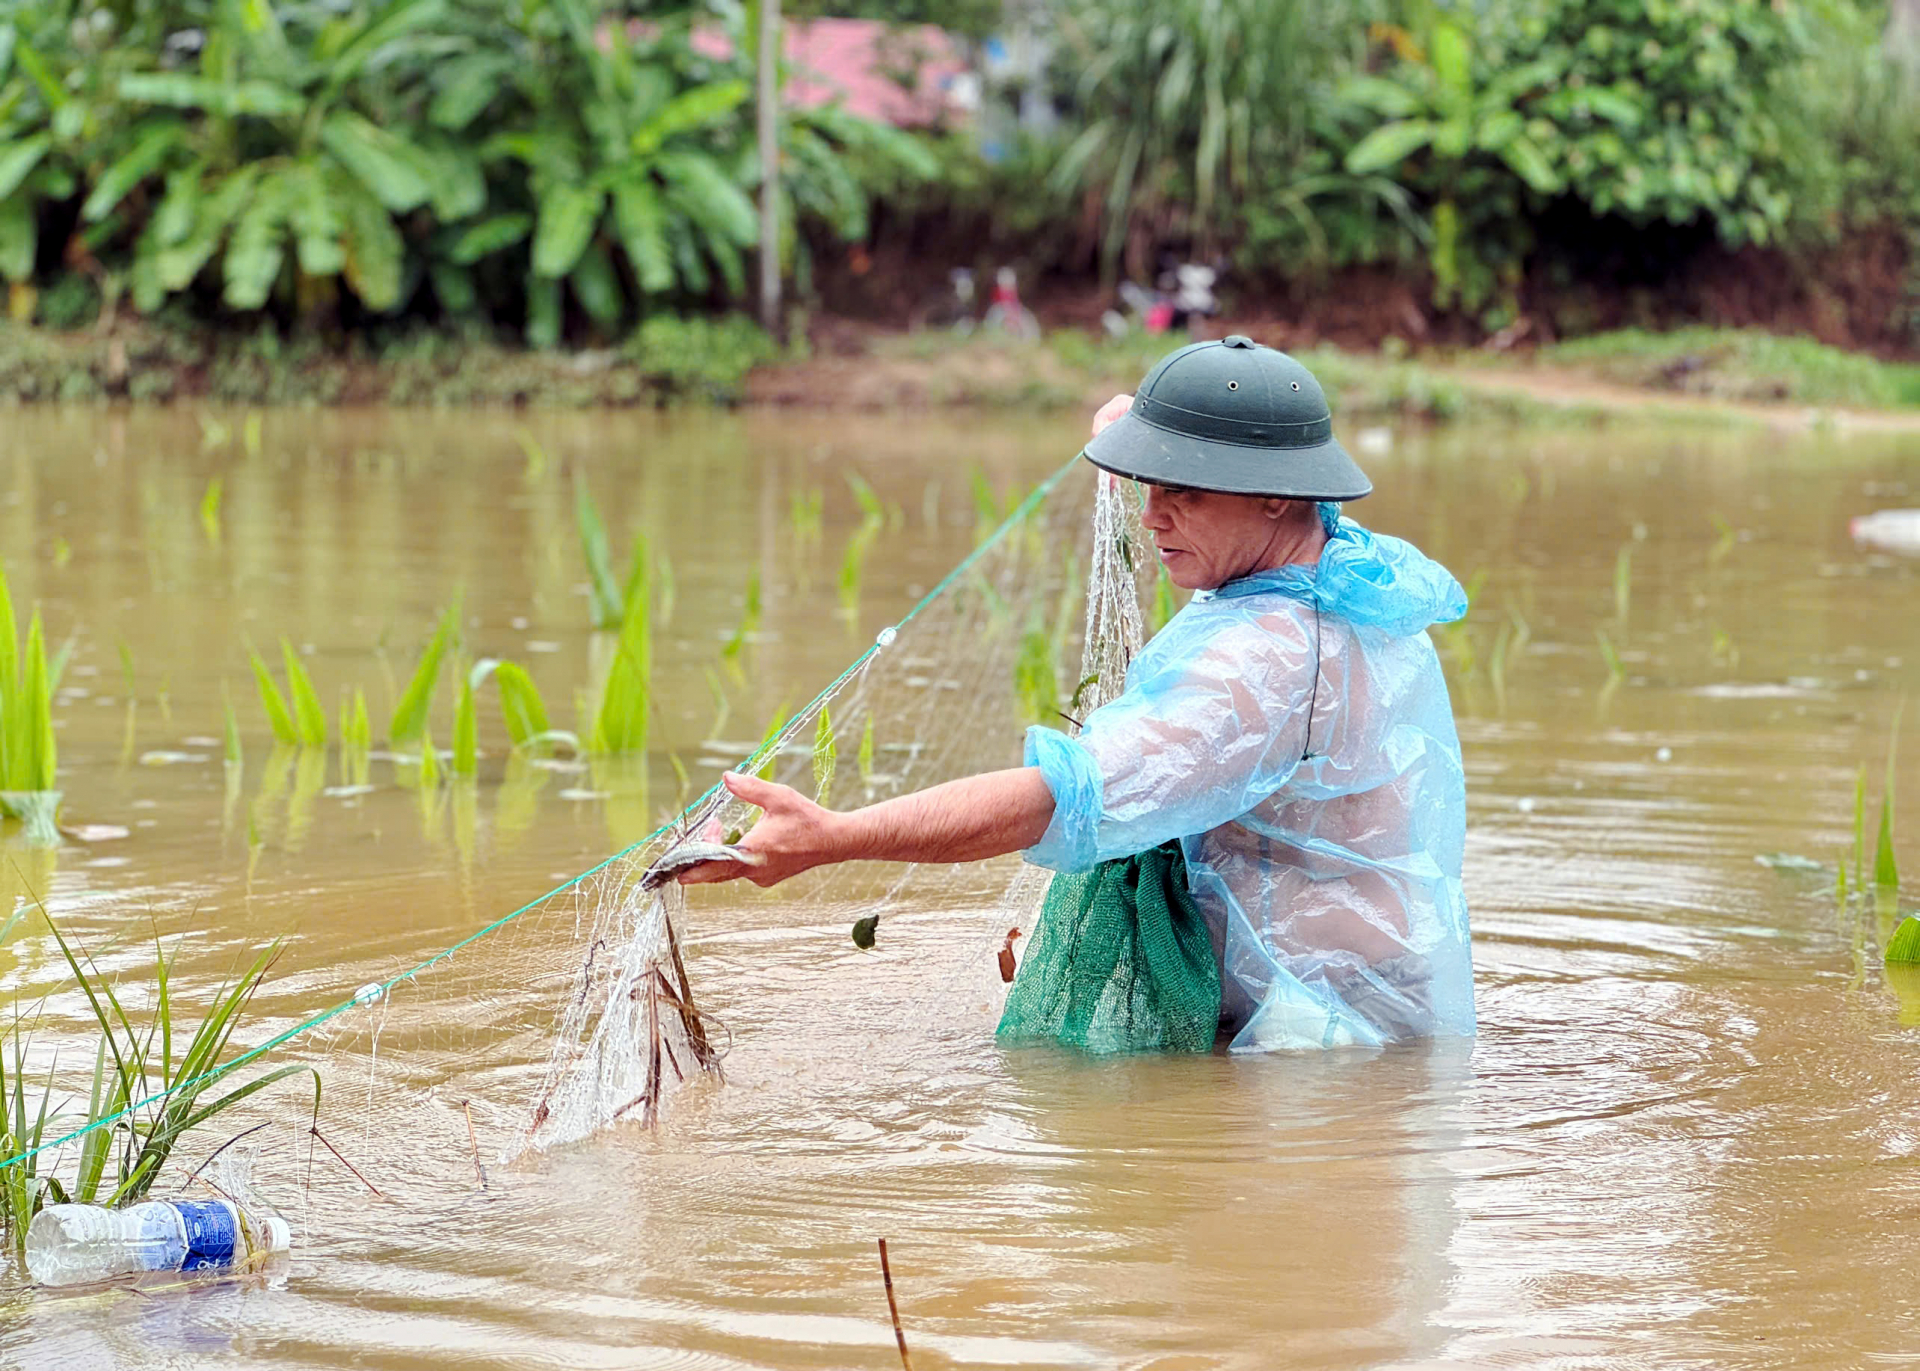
<point x="1686" y="1134"/>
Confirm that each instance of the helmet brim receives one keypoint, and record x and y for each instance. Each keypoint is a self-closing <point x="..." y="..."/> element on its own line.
<point x="1132" y="447"/>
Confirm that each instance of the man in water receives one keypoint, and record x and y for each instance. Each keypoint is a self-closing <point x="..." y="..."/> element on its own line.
<point x="1290" y="729"/>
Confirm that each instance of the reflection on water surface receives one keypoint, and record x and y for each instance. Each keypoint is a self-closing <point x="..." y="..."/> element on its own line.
<point x="1684" y="1135"/>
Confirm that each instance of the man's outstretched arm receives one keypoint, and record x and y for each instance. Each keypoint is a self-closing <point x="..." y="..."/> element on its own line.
<point x="961" y="821"/>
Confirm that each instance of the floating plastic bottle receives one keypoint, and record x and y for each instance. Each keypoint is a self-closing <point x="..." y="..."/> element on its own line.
<point x="77" y="1244"/>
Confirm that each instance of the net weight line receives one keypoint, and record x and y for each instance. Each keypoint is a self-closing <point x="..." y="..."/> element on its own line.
<point x="687" y="821"/>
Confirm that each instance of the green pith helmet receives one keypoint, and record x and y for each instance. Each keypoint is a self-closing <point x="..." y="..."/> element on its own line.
<point x="1235" y="417"/>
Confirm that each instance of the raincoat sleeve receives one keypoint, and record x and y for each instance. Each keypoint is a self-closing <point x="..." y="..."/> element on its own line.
<point x="1216" y="726"/>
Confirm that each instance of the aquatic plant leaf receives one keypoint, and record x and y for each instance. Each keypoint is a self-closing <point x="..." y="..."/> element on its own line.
<point x="1886" y="871"/>
<point x="35" y="722"/>
<point x="279" y="718"/>
<point x="1904" y="946"/>
<point x="233" y="753"/>
<point x="767" y="753"/>
<point x="620" y="721"/>
<point x="1860" y="825"/>
<point x="609" y="605"/>
<point x="749" y="620"/>
<point x="521" y="707"/>
<point x="826" y="755"/>
<point x="210" y="510"/>
<point x="429" y="762"/>
<point x="410" y="715"/>
<point x="466" y="732"/>
<point x="309" y="719"/>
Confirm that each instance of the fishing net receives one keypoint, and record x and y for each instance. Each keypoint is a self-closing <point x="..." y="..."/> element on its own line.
<point x="1121" y="962"/>
<point x="585" y="1009"/>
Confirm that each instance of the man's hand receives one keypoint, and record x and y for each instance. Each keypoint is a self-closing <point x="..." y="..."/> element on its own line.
<point x="1110" y="411"/>
<point x="794" y="835"/>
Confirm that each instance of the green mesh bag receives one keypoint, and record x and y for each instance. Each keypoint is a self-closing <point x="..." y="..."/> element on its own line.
<point x="1120" y="962"/>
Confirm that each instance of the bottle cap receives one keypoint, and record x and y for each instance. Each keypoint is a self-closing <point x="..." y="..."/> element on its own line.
<point x="275" y="1235"/>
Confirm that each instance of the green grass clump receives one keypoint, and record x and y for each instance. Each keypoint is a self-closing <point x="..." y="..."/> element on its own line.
<point x="154" y="1095"/>
<point x="1743" y="364"/>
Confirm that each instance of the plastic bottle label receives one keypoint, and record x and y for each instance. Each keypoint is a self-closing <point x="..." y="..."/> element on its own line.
<point x="213" y="1238"/>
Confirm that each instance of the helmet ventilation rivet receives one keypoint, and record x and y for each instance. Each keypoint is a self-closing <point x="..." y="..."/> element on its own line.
<point x="1296" y="385"/>
<point x="1235" y="385"/>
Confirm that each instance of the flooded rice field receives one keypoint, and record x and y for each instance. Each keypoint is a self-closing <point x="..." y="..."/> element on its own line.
<point x="1688" y="1133"/>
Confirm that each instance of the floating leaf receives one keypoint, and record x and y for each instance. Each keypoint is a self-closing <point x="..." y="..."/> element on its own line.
<point x="864" y="931"/>
<point x="1790" y="861"/>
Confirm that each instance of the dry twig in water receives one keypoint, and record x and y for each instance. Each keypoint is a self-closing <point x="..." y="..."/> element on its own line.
<point x="899" y="1334"/>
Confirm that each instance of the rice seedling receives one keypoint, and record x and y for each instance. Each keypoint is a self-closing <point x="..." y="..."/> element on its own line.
<point x="429" y="764"/>
<point x="143" y="1098"/>
<point x="521" y="708"/>
<point x="744" y="630"/>
<point x="609" y="608"/>
<point x="1723" y="543"/>
<point x="535" y="454"/>
<point x="233" y="753"/>
<point x="1036" y="673"/>
<point x="28" y="756"/>
<point x="250" y="433"/>
<point x="279" y="717"/>
<point x="826" y="755"/>
<point x="1623" y="584"/>
<point x="356" y="739"/>
<point x="806" y="515"/>
<point x="1165" y="604"/>
<point x="1860" y="825"/>
<point x="765" y="750"/>
<point x="210" y="511"/>
<point x="309" y="719"/>
<point x="930" y="504"/>
<point x="62" y="553"/>
<point x="621" y="715"/>
<point x="870" y="507"/>
<point x="863" y="760"/>
<point x="466" y="731"/>
<point x="410" y="714"/>
<point x="1886" y="870"/>
<point x="853" y="562"/>
<point x="1616" y="673"/>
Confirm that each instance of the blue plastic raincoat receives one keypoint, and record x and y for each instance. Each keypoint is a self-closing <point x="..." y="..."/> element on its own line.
<point x="1322" y="809"/>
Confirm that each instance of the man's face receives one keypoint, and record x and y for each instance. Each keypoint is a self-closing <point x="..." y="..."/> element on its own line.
<point x="1207" y="539"/>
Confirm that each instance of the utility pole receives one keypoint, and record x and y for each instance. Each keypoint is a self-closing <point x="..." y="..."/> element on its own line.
<point x="768" y="103"/>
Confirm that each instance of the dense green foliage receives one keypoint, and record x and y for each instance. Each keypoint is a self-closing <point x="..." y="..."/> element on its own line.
<point x="539" y="161"/>
<point x="573" y="169"/>
<point x="1447" y="137"/>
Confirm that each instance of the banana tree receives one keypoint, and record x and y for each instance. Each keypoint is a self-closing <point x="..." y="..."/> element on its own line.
<point x="282" y="138"/>
<point x="59" y="63"/>
<point x="1435" y="111"/>
<point x="626" y="158"/>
